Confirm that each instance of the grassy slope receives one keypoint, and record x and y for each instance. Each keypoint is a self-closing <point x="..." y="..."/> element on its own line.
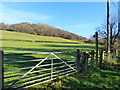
<point x="11" y="46"/>
<point x="22" y="46"/>
<point x="102" y="79"/>
<point x="24" y="36"/>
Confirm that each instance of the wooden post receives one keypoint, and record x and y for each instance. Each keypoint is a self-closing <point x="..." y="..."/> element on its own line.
<point x="84" y="63"/>
<point x="1" y="71"/>
<point x="101" y="58"/>
<point x="78" y="60"/>
<point x="92" y="59"/>
<point x="96" y="38"/>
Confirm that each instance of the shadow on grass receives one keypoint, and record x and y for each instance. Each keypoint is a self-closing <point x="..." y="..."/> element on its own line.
<point x="10" y="58"/>
<point x="104" y="79"/>
<point x="35" y="49"/>
<point x="70" y="46"/>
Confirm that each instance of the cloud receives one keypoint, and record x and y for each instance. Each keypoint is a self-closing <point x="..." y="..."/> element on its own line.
<point x="11" y="16"/>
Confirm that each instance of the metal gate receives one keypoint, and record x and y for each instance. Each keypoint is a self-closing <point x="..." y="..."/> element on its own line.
<point x="55" y="67"/>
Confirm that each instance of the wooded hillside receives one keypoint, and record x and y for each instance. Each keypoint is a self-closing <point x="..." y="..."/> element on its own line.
<point x="42" y="30"/>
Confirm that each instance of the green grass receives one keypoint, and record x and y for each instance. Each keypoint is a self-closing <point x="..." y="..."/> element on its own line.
<point x="10" y="46"/>
<point x="24" y="36"/>
<point x="104" y="79"/>
<point x="96" y="79"/>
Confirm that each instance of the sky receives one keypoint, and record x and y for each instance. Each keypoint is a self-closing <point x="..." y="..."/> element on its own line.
<point x="81" y="18"/>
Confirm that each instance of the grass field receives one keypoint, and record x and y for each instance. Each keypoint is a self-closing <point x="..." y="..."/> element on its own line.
<point x="106" y="78"/>
<point x="30" y="37"/>
<point x="10" y="46"/>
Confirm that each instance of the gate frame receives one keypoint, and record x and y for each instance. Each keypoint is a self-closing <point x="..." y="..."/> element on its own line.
<point x="46" y="58"/>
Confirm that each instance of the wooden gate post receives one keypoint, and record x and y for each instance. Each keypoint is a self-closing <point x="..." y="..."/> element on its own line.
<point x="78" y="60"/>
<point x="84" y="64"/>
<point x="92" y="59"/>
<point x="101" y="58"/>
<point x="1" y="70"/>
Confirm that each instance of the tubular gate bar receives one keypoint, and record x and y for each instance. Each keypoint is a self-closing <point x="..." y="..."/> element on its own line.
<point x="63" y="68"/>
<point x="43" y="72"/>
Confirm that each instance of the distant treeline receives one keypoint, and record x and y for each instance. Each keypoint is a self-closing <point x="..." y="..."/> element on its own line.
<point x="42" y="30"/>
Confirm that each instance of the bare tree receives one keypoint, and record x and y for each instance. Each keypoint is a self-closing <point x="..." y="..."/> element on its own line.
<point x="102" y="30"/>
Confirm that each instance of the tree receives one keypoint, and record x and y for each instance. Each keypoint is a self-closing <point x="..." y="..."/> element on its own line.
<point x="41" y="29"/>
<point x="4" y="26"/>
<point x="102" y="30"/>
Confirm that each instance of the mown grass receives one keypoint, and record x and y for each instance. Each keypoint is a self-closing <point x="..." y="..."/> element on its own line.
<point x="22" y="46"/>
<point x="30" y="37"/>
<point x="31" y="47"/>
<point x="98" y="79"/>
<point x="103" y="78"/>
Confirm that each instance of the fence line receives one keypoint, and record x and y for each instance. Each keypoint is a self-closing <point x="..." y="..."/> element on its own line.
<point x="62" y="67"/>
<point x="82" y="61"/>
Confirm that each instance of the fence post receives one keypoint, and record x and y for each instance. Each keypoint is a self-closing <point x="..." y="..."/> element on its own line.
<point x="101" y="58"/>
<point x="92" y="59"/>
<point x="96" y="39"/>
<point x="1" y="70"/>
<point x="78" y="60"/>
<point x="84" y="63"/>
